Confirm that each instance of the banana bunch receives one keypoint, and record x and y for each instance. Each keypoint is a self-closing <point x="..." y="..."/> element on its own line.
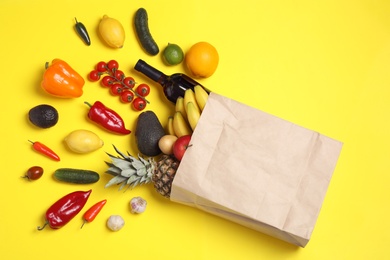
<point x="187" y="112"/>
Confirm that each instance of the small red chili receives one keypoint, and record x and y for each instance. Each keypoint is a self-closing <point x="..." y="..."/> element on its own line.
<point x="43" y="149"/>
<point x="65" y="209"/>
<point x="93" y="211"/>
<point x="107" y="118"/>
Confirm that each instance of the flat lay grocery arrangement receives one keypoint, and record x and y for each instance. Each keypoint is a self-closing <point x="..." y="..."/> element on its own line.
<point x="195" y="130"/>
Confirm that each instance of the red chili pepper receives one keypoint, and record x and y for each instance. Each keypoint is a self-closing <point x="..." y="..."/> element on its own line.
<point x="66" y="208"/>
<point x="93" y="211"/>
<point x="43" y="149"/>
<point x="107" y="118"/>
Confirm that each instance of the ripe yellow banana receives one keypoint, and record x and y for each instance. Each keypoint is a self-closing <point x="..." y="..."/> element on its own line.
<point x="193" y="115"/>
<point x="189" y="96"/>
<point x="201" y="96"/>
<point x="180" y="107"/>
<point x="170" y="126"/>
<point x="180" y="125"/>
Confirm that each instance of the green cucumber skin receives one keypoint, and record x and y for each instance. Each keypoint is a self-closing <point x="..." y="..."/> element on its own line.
<point x="143" y="32"/>
<point x="76" y="176"/>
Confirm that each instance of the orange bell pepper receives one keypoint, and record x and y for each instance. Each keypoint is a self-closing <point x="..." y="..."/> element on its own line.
<point x="61" y="80"/>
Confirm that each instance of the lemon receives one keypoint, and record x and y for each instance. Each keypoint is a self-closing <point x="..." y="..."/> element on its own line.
<point x="83" y="141"/>
<point x="112" y="32"/>
<point x="173" y="54"/>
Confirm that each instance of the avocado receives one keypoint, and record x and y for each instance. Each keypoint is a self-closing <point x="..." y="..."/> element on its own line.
<point x="43" y="116"/>
<point x="148" y="132"/>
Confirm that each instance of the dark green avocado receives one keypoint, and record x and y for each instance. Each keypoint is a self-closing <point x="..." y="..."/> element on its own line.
<point x="43" y="116"/>
<point x="148" y="132"/>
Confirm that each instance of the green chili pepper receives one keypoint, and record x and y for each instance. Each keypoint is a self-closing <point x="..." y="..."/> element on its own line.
<point x="82" y="32"/>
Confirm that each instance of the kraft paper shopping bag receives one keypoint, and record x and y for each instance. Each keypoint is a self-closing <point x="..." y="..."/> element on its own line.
<point x="257" y="170"/>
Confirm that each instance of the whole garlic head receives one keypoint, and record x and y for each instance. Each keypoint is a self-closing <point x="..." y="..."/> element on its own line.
<point x="138" y="205"/>
<point x="115" y="222"/>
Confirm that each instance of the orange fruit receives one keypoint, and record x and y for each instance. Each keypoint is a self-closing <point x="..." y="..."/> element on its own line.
<point x="202" y="59"/>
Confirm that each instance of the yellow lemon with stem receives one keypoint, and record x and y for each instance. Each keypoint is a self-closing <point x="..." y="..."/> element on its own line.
<point x="112" y="32"/>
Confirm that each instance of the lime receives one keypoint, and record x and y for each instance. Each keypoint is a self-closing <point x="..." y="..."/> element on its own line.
<point x="173" y="54"/>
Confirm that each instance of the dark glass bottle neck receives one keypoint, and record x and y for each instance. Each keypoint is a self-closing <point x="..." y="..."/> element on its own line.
<point x="174" y="85"/>
<point x="149" y="71"/>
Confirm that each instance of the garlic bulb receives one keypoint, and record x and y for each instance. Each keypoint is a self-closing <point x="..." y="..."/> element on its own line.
<point x="138" y="205"/>
<point x="115" y="222"/>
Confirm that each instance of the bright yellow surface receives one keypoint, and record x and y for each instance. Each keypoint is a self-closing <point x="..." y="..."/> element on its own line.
<point x="324" y="65"/>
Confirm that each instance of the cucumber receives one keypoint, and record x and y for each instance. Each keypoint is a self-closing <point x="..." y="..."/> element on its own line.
<point x="76" y="176"/>
<point x="143" y="32"/>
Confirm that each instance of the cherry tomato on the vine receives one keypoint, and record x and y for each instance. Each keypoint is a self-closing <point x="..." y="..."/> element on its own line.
<point x="119" y="75"/>
<point x="139" y="104"/>
<point x="101" y="66"/>
<point x="116" y="89"/>
<point x="34" y="173"/>
<point x="94" y="75"/>
<point x="119" y="84"/>
<point x="143" y="90"/>
<point x="129" y="82"/>
<point x="107" y="81"/>
<point x="112" y="64"/>
<point x="127" y="96"/>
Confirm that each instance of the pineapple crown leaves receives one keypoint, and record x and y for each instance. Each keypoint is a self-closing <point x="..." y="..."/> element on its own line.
<point x="128" y="170"/>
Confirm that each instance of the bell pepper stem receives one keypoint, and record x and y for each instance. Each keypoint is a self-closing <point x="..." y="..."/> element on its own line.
<point x="41" y="228"/>
<point x="87" y="103"/>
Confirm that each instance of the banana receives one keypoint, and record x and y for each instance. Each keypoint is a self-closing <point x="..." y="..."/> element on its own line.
<point x="180" y="107"/>
<point x="170" y="126"/>
<point x="180" y="125"/>
<point x="193" y="115"/>
<point x="201" y="96"/>
<point x="189" y="96"/>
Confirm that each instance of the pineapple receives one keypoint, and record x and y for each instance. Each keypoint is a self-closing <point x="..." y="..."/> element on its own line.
<point x="128" y="170"/>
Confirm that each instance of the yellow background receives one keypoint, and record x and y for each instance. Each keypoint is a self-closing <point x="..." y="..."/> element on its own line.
<point x="324" y="65"/>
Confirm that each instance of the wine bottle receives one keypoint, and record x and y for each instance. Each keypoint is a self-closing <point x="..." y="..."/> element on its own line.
<point x="174" y="85"/>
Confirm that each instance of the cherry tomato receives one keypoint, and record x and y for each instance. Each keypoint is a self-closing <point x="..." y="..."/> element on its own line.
<point x="34" y="173"/>
<point x="129" y="82"/>
<point x="101" y="66"/>
<point x="107" y="81"/>
<point x="139" y="104"/>
<point x="94" y="75"/>
<point x="127" y="96"/>
<point x="116" y="89"/>
<point x="143" y="90"/>
<point x="112" y="65"/>
<point x="119" y="75"/>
